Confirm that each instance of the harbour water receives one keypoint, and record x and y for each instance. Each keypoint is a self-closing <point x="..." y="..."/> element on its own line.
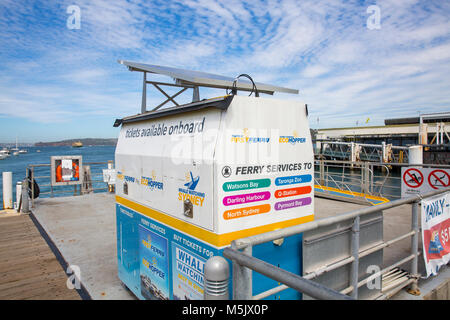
<point x="18" y="164"/>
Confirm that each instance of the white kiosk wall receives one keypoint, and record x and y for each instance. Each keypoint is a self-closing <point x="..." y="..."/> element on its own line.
<point x="197" y="180"/>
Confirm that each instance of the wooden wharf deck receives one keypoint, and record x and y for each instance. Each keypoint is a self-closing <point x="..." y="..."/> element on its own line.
<point x="28" y="267"/>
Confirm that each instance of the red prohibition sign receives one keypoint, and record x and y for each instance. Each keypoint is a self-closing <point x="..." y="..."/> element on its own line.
<point x="440" y="176"/>
<point x="413" y="178"/>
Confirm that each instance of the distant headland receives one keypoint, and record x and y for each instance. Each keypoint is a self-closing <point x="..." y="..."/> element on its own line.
<point x="85" y="142"/>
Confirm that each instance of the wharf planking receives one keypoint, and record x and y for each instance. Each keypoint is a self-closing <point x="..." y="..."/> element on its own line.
<point x="28" y="267"/>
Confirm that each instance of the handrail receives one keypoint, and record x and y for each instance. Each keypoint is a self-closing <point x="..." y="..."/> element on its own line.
<point x="94" y="179"/>
<point x="243" y="262"/>
<point x="363" y="182"/>
<point x="290" y="231"/>
<point x="294" y="281"/>
<point x="389" y="163"/>
<point x="387" y="185"/>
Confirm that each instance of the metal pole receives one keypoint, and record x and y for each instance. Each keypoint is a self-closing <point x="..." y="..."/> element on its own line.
<point x="322" y="172"/>
<point x="32" y="187"/>
<point x="419" y="139"/>
<point x="144" y="94"/>
<point x="415" y="247"/>
<point x="18" y="195"/>
<point x="354" y="270"/>
<point x="365" y="175"/>
<point x="352" y="153"/>
<point x="289" y="231"/>
<point x="371" y="170"/>
<point x="196" y="94"/>
<point x="242" y="278"/>
<point x="311" y="288"/>
<point x="25" y="204"/>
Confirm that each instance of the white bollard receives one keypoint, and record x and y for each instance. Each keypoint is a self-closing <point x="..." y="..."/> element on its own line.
<point x="415" y="155"/>
<point x="7" y="190"/>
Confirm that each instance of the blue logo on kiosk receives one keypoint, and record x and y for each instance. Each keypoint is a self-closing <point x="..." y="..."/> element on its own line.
<point x="197" y="198"/>
<point x="193" y="183"/>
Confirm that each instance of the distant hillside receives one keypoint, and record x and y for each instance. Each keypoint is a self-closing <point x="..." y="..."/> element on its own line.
<point x="86" y="142"/>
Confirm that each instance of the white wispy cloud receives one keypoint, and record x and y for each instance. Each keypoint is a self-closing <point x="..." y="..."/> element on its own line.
<point x="344" y="70"/>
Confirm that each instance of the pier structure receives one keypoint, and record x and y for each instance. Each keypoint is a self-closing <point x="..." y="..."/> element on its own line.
<point x="354" y="152"/>
<point x="83" y="230"/>
<point x="426" y="129"/>
<point x="29" y="268"/>
<point x="390" y="142"/>
<point x="80" y="231"/>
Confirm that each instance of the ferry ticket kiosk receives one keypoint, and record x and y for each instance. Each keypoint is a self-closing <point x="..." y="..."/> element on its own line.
<point x="193" y="178"/>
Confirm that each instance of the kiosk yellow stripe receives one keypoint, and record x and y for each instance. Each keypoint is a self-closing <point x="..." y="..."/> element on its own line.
<point x="218" y="240"/>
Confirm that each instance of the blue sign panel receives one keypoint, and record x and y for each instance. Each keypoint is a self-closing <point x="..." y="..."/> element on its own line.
<point x="154" y="265"/>
<point x="281" y="181"/>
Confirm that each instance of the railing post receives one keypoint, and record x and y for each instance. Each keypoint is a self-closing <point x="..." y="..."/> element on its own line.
<point x="242" y="278"/>
<point x="414" y="290"/>
<point x="25" y="208"/>
<point x="365" y="176"/>
<point x="322" y="172"/>
<point x="383" y="152"/>
<point x="354" y="270"/>
<point x="371" y="174"/>
<point x="352" y="154"/>
<point x="32" y="187"/>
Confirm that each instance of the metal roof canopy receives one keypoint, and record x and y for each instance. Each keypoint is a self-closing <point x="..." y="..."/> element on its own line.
<point x="186" y="79"/>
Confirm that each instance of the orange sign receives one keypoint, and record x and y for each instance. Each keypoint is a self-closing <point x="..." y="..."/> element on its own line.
<point x="245" y="212"/>
<point x="292" y="192"/>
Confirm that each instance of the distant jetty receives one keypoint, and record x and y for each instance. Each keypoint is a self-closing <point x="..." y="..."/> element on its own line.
<point x="84" y="142"/>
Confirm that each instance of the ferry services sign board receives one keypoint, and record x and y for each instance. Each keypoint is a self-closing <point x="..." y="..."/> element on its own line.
<point x="436" y="232"/>
<point x="417" y="180"/>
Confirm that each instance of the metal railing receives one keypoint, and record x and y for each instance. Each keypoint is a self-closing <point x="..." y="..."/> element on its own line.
<point x="362" y="151"/>
<point x="41" y="173"/>
<point x="356" y="178"/>
<point x="369" y="178"/>
<point x="244" y="263"/>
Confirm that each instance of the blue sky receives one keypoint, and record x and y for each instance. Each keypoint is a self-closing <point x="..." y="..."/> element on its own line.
<point x="60" y="83"/>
